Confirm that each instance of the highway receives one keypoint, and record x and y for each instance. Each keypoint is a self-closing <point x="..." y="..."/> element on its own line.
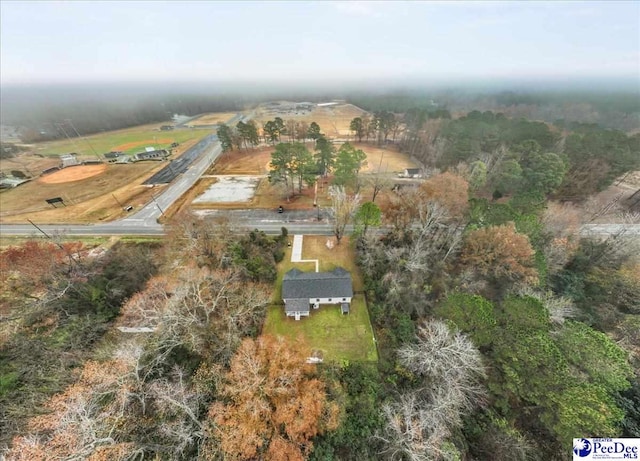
<point x="268" y="221"/>
<point x="77" y="230"/>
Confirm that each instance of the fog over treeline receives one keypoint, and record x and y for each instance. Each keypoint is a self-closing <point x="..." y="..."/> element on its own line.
<point x="101" y="107"/>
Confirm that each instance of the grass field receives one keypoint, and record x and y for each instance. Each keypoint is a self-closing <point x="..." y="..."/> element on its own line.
<point x="130" y="141"/>
<point x="338" y="337"/>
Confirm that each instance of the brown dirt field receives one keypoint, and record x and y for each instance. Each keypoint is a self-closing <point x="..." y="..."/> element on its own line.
<point x="87" y="200"/>
<point x="213" y="119"/>
<point x="392" y="160"/>
<point x="148" y="142"/>
<point x="257" y="161"/>
<point x="251" y="162"/>
<point x="72" y="173"/>
<point x="333" y="120"/>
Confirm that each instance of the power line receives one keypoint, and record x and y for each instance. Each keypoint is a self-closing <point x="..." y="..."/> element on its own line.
<point x="85" y="139"/>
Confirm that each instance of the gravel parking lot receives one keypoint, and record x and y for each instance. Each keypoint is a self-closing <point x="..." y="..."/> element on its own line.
<point x="230" y="189"/>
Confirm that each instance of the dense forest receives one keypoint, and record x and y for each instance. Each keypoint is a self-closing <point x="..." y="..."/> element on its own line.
<point x="502" y="333"/>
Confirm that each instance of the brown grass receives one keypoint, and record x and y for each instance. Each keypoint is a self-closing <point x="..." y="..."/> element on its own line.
<point x="248" y="162"/>
<point x="268" y="196"/>
<point x="213" y="119"/>
<point x="72" y="173"/>
<point x="392" y="160"/>
<point x="29" y="164"/>
<point x="333" y="120"/>
<point x="87" y="200"/>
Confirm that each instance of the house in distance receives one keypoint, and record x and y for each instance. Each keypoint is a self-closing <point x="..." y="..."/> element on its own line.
<point x="302" y="290"/>
<point x="415" y="173"/>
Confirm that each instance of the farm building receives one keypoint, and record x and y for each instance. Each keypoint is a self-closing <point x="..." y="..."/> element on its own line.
<point x="301" y="290"/>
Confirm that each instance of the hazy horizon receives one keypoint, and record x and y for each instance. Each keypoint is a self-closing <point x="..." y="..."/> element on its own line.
<point x="326" y="44"/>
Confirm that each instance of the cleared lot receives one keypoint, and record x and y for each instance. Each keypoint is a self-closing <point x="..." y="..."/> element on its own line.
<point x="230" y="189"/>
<point x="334" y="120"/>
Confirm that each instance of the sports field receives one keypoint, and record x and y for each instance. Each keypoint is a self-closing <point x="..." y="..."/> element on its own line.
<point x="129" y="141"/>
<point x="92" y="193"/>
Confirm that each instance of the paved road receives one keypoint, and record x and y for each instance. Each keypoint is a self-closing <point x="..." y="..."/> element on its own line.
<point x="182" y="163"/>
<point x="149" y="214"/>
<point x="589" y="230"/>
<point x="271" y="222"/>
<point x="308" y="228"/>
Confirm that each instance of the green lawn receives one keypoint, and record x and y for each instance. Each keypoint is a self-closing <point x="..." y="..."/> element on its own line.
<point x="339" y="337"/>
<point x="108" y="141"/>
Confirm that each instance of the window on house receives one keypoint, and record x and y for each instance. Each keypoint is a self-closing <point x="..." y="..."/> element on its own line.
<point x="344" y="299"/>
<point x="329" y="299"/>
<point x="317" y="300"/>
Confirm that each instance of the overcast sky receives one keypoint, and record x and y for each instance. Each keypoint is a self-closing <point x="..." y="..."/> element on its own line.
<point x="76" y="41"/>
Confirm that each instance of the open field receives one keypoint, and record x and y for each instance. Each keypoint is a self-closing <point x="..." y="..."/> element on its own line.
<point x="88" y="190"/>
<point x="338" y="337"/>
<point x="385" y="160"/>
<point x="269" y="196"/>
<point x="128" y="140"/>
<point x="229" y="189"/>
<point x="87" y="200"/>
<point x="333" y="120"/>
<point x="213" y="119"/>
<point x="239" y="162"/>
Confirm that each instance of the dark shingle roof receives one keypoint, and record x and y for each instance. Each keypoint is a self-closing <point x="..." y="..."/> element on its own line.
<point x="334" y="284"/>
<point x="297" y="305"/>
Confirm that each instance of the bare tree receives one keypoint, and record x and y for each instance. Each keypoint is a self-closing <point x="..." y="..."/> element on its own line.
<point x="448" y="358"/>
<point x="379" y="180"/>
<point x="560" y="307"/>
<point x="343" y="208"/>
<point x="178" y="406"/>
<point x="420" y="421"/>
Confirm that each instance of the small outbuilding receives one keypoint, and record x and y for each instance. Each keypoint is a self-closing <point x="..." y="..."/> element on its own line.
<point x="411" y="173"/>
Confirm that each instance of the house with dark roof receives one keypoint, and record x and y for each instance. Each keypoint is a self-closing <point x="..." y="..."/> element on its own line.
<point x="303" y="290"/>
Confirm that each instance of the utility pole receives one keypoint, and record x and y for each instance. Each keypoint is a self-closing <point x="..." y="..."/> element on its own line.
<point x="68" y="120"/>
<point x="118" y="201"/>
<point x="45" y="234"/>
<point x="61" y="127"/>
<point x="154" y="201"/>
